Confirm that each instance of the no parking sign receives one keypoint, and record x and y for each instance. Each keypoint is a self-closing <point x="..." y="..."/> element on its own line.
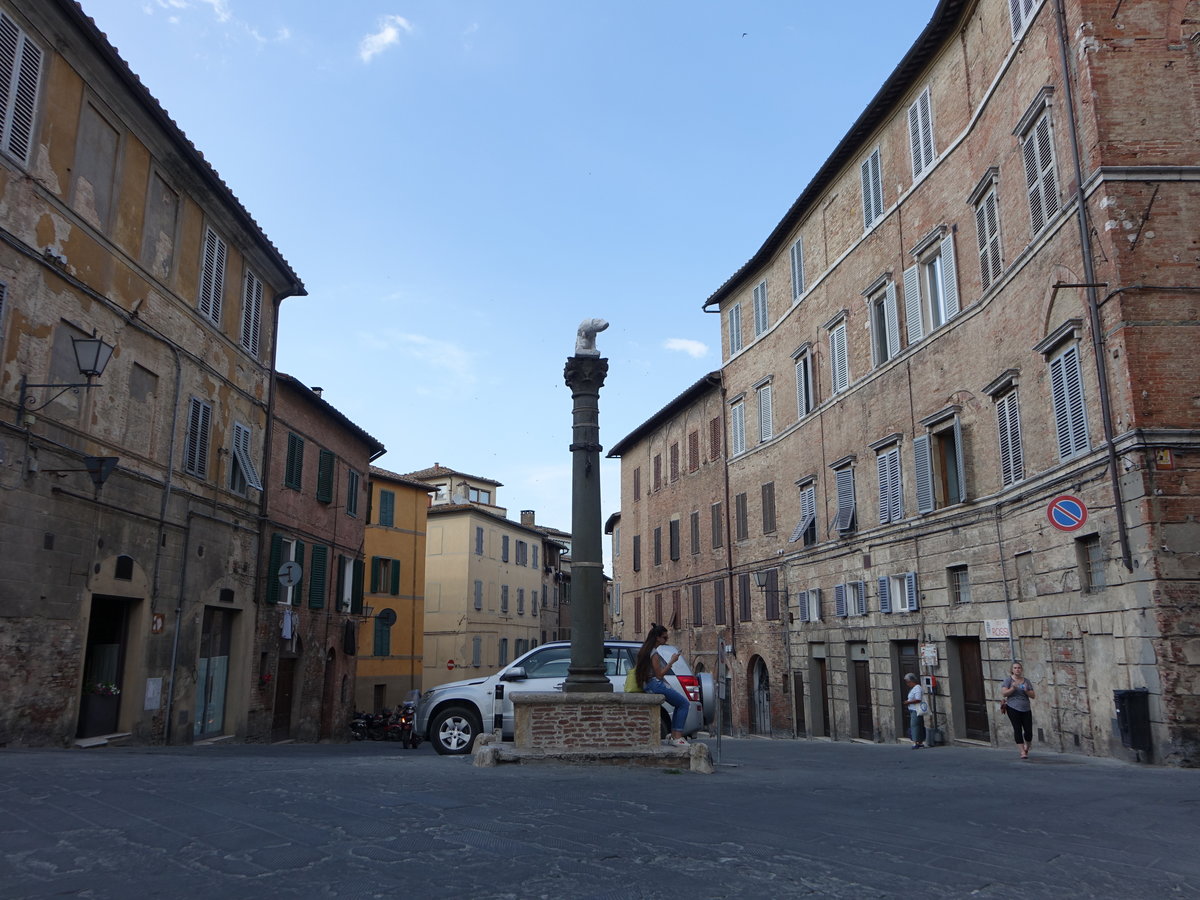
<point x="1067" y="513"/>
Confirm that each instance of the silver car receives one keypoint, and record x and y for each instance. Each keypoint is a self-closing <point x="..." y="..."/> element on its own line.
<point x="452" y="715"/>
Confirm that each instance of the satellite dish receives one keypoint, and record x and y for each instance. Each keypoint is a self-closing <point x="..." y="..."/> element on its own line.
<point x="387" y="616"/>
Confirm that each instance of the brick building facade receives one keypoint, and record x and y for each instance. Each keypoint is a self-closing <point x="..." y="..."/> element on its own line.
<point x="982" y="302"/>
<point x="317" y="508"/>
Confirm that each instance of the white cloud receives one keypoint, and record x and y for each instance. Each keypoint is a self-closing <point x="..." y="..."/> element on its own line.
<point x="694" y="349"/>
<point x="387" y="35"/>
<point x="220" y="9"/>
<point x="444" y="357"/>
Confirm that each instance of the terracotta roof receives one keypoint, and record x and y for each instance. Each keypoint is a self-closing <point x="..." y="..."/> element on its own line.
<point x="377" y="449"/>
<point x="443" y="509"/>
<point x="940" y="27"/>
<point x="439" y="471"/>
<point x="378" y="472"/>
<point x="73" y="11"/>
<point x="709" y="382"/>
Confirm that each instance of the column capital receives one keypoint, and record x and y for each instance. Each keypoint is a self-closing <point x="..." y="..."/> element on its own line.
<point x="585" y="374"/>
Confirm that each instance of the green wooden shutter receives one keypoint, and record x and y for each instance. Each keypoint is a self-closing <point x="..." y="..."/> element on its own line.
<point x="274" y="561"/>
<point x="356" y="601"/>
<point x="395" y="577"/>
<point x="298" y="590"/>
<point x="318" y="576"/>
<point x="376" y="564"/>
<point x="325" y="477"/>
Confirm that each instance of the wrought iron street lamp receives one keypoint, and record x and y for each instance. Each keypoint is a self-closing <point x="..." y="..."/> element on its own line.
<point x="91" y="356"/>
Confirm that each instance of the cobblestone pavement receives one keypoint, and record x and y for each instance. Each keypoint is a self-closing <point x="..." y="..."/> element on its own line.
<point x="778" y="819"/>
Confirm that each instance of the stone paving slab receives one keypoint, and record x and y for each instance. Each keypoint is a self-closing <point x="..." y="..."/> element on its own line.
<point x="777" y="819"/>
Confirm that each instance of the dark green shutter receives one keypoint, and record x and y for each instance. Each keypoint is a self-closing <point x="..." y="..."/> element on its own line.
<point x="274" y="561"/>
<point x="293" y="472"/>
<point x="318" y="576"/>
<point x="356" y="602"/>
<point x="376" y="564"/>
<point x="325" y="476"/>
<point x="298" y="590"/>
<point x="395" y="577"/>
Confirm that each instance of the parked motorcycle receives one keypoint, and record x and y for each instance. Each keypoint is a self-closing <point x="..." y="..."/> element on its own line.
<point x="407" y="716"/>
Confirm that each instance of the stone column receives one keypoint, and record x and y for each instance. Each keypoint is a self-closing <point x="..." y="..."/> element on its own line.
<point x="584" y="374"/>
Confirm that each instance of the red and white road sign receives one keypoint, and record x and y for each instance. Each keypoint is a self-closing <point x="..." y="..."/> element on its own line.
<point x="1067" y="513"/>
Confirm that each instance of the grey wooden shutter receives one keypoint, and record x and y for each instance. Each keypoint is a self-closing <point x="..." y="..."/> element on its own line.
<point x="802" y="605"/>
<point x="797" y="255"/>
<point x="912" y="305"/>
<point x="845" y="489"/>
<point x="865" y="172"/>
<point x="839" y="600"/>
<point x="839" y="359"/>
<point x="891" y="317"/>
<point x="885" y="595"/>
<point x="766" y="419"/>
<point x="960" y="462"/>
<point x="1008" y="415"/>
<point x="252" y="293"/>
<point x="949" y="276"/>
<point x="860" y="597"/>
<point x="20" y="70"/>
<point x="923" y="469"/>
<point x="212" y="276"/>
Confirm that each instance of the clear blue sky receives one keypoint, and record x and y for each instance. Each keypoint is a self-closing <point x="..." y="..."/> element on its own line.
<point x="459" y="183"/>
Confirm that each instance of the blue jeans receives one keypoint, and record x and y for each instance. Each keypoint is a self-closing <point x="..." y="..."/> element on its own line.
<point x="679" y="703"/>
<point x="916" y="727"/>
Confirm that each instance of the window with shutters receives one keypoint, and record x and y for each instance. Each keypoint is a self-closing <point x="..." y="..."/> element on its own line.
<point x="871" y="171"/>
<point x="697" y="605"/>
<point x="959" y="583"/>
<point x="718" y="526"/>
<point x="252" y="296"/>
<point x="987" y="229"/>
<point x="212" y="276"/>
<point x="478" y="540"/>
<point x="348" y="588"/>
<point x="385" y="576"/>
<point x="502" y="653"/>
<point x="839" y="360"/>
<point x="891" y="496"/>
<point x="1008" y="422"/>
<point x="637" y="483"/>
<point x="805" y="390"/>
<point x="737" y="426"/>
<point x="1021" y="13"/>
<point x="694" y="530"/>
<point x="504" y="599"/>
<point x="284" y="550"/>
<point x="20" y="81"/>
<point x="741" y="526"/>
<point x="714" y="438"/>
<point x="293" y="468"/>
<point x="797" y="257"/>
<point x="616" y="548"/>
<point x="745" y="609"/>
<point x="326" y="461"/>
<point x="657" y="471"/>
<point x="195" y="443"/>
<point x="658" y="546"/>
<point x="673" y="533"/>
<point x="768" y="507"/>
<point x="637" y="615"/>
<point x="1036" y="135"/>
<point x="920" y="134"/>
<point x="318" y="576"/>
<point x="931" y="285"/>
<point x="734" y="319"/>
<point x="898" y="593"/>
<point x="810" y="605"/>
<point x="478" y="594"/>
<point x="1066" y="393"/>
<point x="387" y="508"/>
<point x="242" y="472"/>
<point x="847" y="513"/>
<point x="761" y="315"/>
<point x="353" y="489"/>
<point x="637" y="553"/>
<point x="658" y="609"/>
<point x="939" y="463"/>
<point x="504" y="548"/>
<point x="520" y="601"/>
<point x="693" y="451"/>
<point x="476" y="651"/>
<point x="383" y="637"/>
<point x="885" y="324"/>
<point x="766" y="416"/>
<point x="772" y="595"/>
<point x="719" y="601"/>
<point x="676" y="620"/>
<point x="806" y="528"/>
<point x="674" y="460"/>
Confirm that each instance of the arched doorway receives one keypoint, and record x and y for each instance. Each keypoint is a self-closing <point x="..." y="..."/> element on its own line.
<point x="759" y="683"/>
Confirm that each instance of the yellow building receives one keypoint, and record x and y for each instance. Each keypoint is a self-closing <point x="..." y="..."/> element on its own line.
<point x="391" y="638"/>
<point x="486" y="579"/>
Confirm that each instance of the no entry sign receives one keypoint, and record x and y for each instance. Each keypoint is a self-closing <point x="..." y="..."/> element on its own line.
<point x="1067" y="513"/>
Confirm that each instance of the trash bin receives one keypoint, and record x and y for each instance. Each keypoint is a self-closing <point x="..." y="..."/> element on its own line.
<point x="1133" y="718"/>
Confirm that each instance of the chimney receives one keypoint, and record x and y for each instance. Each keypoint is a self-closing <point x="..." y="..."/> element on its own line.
<point x="317" y="390"/>
<point x="527" y="517"/>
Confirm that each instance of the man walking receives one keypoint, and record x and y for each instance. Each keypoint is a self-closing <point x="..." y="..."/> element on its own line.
<point x="914" y="702"/>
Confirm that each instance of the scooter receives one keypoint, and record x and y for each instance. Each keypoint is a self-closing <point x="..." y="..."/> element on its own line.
<point x="407" y="717"/>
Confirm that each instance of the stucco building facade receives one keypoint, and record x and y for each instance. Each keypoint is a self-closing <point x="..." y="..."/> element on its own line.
<point x="114" y="226"/>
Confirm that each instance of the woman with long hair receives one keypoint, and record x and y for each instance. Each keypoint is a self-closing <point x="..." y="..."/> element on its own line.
<point x="651" y="670"/>
<point x="1017" y="691"/>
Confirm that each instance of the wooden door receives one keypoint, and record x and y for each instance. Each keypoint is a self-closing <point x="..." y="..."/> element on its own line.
<point x="281" y="724"/>
<point x="974" y="694"/>
<point x="822" y="687"/>
<point x="862" y="700"/>
<point x="798" y="700"/>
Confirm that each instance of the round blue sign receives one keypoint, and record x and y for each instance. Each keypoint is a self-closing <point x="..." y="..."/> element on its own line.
<point x="1067" y="513"/>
